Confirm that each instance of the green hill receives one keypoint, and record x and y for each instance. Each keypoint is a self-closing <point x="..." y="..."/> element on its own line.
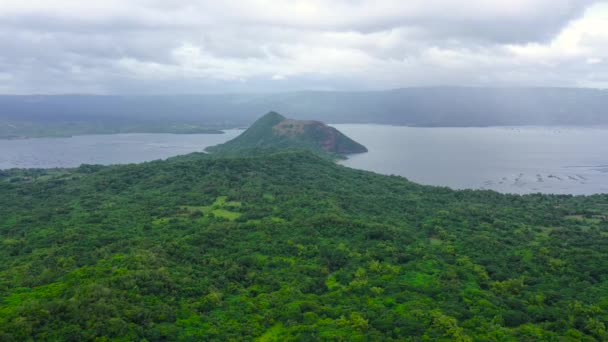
<point x="291" y="246"/>
<point x="274" y="132"/>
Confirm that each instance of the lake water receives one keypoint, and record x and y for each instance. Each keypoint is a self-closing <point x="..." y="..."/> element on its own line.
<point x="103" y="149"/>
<point x="506" y="159"/>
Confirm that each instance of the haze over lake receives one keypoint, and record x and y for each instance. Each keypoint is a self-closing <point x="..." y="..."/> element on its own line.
<point x="507" y="159"/>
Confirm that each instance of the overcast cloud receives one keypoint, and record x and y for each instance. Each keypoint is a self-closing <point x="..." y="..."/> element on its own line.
<point x="157" y="46"/>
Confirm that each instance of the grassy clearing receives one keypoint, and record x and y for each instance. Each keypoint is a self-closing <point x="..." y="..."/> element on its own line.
<point x="595" y="219"/>
<point x="230" y="215"/>
<point x="221" y="207"/>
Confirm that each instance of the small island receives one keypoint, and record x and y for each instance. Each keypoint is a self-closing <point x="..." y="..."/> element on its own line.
<point x="273" y="131"/>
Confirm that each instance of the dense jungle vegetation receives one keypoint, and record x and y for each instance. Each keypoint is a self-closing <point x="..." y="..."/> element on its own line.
<point x="290" y="246"/>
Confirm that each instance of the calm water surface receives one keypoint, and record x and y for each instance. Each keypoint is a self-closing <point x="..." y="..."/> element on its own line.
<point x="103" y="149"/>
<point x="506" y="159"/>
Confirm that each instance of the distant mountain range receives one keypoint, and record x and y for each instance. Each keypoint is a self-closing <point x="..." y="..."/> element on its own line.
<point x="275" y="132"/>
<point x="435" y="106"/>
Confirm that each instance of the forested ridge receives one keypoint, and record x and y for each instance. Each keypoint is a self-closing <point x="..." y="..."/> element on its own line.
<point x="290" y="246"/>
<point x="61" y="115"/>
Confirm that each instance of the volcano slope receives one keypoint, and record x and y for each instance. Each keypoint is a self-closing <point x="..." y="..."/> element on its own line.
<point x="273" y="133"/>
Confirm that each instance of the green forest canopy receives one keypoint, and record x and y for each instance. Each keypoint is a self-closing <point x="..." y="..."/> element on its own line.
<point x="290" y="246"/>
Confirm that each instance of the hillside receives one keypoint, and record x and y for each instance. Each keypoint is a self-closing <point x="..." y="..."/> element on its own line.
<point x="275" y="132"/>
<point x="290" y="246"/>
<point x="35" y="115"/>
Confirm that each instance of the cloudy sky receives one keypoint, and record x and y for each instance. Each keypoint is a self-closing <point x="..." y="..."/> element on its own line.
<point x="179" y="46"/>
